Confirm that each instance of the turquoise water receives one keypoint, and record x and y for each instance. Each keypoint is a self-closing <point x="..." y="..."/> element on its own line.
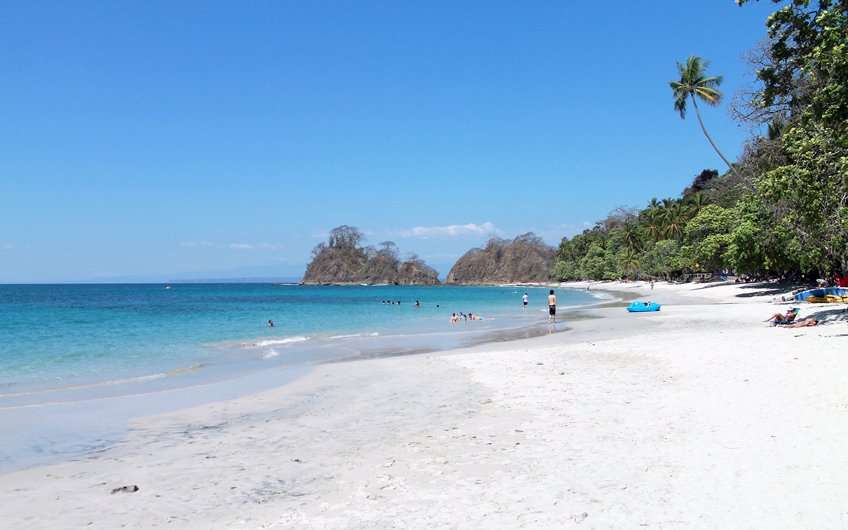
<point x="66" y="336"/>
<point x="78" y="362"/>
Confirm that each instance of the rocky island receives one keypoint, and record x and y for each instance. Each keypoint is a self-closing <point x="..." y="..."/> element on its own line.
<point x="344" y="260"/>
<point x="524" y="259"/>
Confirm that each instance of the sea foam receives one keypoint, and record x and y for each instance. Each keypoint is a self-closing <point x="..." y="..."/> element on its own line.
<point x="354" y="335"/>
<point x="278" y="342"/>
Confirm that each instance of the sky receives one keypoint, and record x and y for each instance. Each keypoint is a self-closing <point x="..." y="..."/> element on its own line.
<point x="160" y="140"/>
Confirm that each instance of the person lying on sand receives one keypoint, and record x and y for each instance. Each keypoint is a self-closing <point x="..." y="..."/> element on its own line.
<point x="806" y="323"/>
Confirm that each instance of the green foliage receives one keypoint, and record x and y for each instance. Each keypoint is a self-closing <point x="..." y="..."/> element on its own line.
<point x="711" y="220"/>
<point x="708" y="238"/>
<point x="694" y="82"/>
<point x="809" y="75"/>
<point x="595" y="264"/>
<point x="782" y="210"/>
<point x="694" y="85"/>
<point x="663" y="259"/>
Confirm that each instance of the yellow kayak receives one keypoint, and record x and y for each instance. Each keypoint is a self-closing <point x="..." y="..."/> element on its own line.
<point x="827" y="299"/>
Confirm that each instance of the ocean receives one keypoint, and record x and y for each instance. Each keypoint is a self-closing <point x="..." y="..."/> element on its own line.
<point x="66" y="348"/>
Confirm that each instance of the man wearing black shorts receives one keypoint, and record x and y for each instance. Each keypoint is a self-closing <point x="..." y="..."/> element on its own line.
<point x="552" y="306"/>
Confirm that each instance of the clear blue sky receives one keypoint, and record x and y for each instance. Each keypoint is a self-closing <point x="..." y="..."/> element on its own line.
<point x="154" y="139"/>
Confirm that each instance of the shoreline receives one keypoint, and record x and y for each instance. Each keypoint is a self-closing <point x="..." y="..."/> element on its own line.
<point x="128" y="399"/>
<point x="601" y="425"/>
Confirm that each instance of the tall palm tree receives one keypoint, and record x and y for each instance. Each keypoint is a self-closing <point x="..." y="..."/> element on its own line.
<point x="674" y="221"/>
<point x="631" y="237"/>
<point x="695" y="84"/>
<point x="629" y="262"/>
<point x="655" y="223"/>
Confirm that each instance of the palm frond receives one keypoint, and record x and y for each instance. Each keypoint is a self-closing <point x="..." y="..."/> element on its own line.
<point x="711" y="82"/>
<point x="680" y="106"/>
<point x="709" y="95"/>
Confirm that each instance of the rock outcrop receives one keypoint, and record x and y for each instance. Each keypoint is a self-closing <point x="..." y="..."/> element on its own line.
<point x="524" y="259"/>
<point x="343" y="259"/>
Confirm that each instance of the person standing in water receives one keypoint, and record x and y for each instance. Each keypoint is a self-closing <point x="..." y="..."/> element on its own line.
<point x="270" y="323"/>
<point x="552" y="306"/>
<point x="524" y="300"/>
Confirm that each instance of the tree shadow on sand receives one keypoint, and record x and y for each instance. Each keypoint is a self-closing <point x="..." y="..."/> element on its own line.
<point x="759" y="288"/>
<point x="830" y="315"/>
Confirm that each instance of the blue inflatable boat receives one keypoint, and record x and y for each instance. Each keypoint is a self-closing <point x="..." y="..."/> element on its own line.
<point x="639" y="306"/>
<point x="821" y="293"/>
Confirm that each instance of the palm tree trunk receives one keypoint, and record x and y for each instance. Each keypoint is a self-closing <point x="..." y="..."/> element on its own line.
<point x="712" y="143"/>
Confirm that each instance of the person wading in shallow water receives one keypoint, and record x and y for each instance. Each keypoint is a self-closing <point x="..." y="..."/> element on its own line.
<point x="552" y="306"/>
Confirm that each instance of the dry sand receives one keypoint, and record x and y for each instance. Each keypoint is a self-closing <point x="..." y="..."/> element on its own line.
<point x="699" y="416"/>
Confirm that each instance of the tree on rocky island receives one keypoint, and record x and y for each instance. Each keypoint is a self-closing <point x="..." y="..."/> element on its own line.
<point x="524" y="259"/>
<point x="345" y="236"/>
<point x="343" y="259"/>
<point x="413" y="271"/>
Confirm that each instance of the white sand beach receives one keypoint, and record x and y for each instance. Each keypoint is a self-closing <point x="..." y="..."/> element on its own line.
<point x="699" y="416"/>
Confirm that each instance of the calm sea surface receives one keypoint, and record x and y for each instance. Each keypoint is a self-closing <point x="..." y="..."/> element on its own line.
<point x="69" y="344"/>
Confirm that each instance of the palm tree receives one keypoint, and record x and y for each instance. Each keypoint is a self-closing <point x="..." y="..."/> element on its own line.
<point x="653" y="227"/>
<point x="674" y="221"/>
<point x="696" y="84"/>
<point x="629" y="261"/>
<point x="631" y="237"/>
<point x="696" y="203"/>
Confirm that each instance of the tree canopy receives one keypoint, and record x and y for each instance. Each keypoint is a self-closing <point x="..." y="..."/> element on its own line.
<point x="782" y="209"/>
